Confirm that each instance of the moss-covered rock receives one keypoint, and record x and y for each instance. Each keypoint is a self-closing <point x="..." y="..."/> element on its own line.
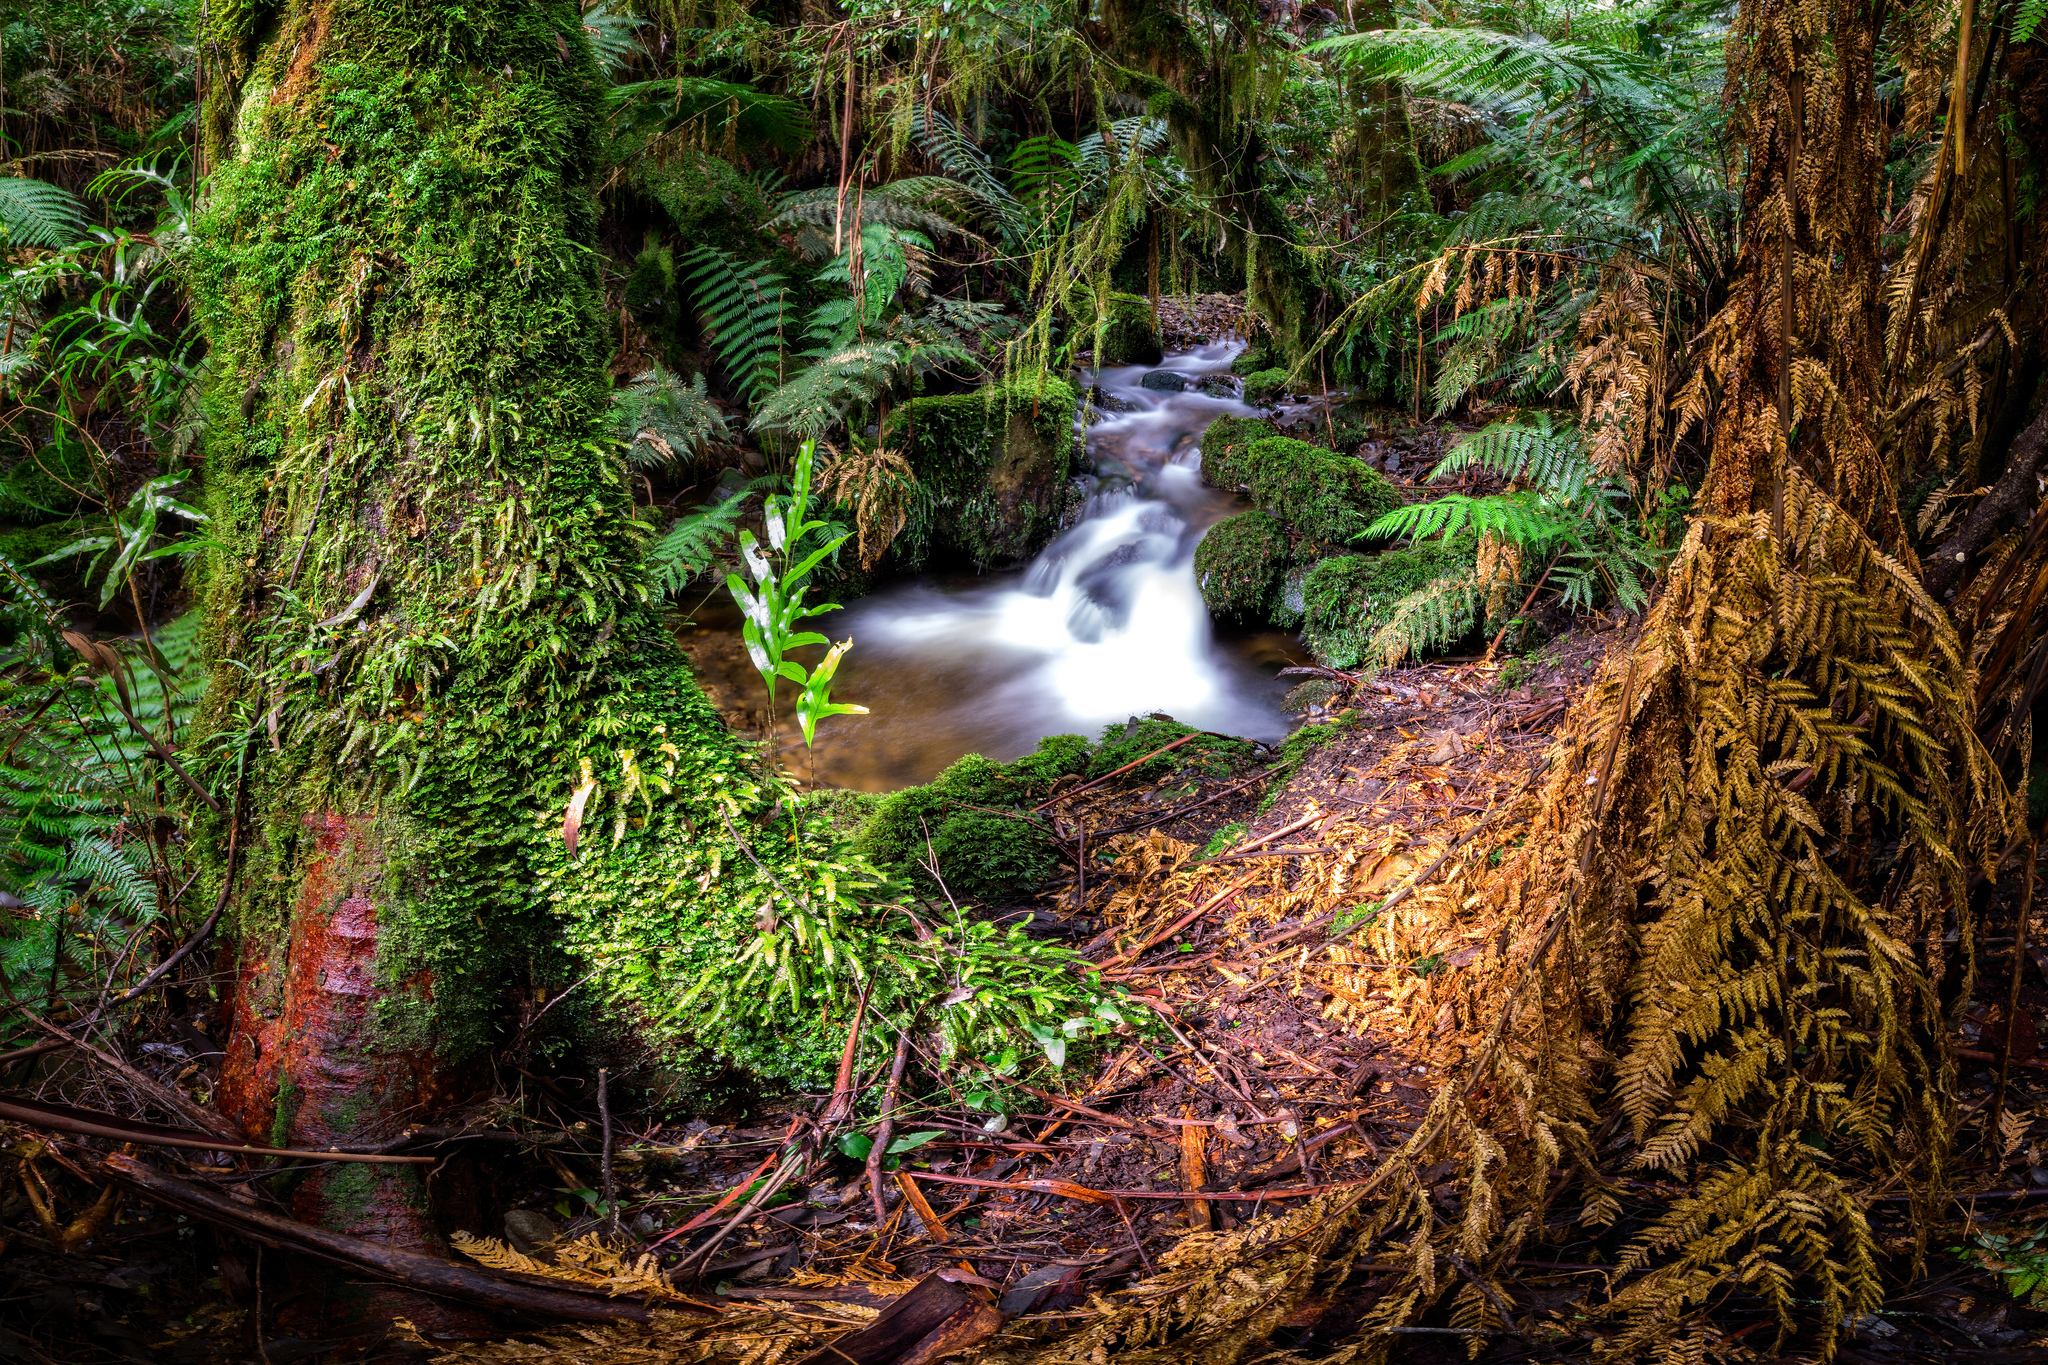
<point x="1347" y="598"/>
<point x="1239" y="564"/>
<point x="1123" y="334"/>
<point x="977" y="813"/>
<point x="1266" y="385"/>
<point x="706" y="198"/>
<point x="1224" y="445"/>
<point x="1322" y="496"/>
<point x="992" y="469"/>
<point x="981" y="856"/>
<point x="1259" y="355"/>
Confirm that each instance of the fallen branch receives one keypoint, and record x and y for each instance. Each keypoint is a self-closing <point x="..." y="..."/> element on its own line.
<point x="63" y="1118"/>
<point x="410" y="1269"/>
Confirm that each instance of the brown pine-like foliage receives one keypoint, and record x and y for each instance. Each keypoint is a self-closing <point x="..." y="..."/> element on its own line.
<point x="1712" y="1016"/>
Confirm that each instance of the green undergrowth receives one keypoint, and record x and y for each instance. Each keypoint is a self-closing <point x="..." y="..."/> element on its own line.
<point x="976" y="819"/>
<point x="992" y="471"/>
<point x="1340" y="603"/>
<point x="439" y="672"/>
<point x="1296" y="748"/>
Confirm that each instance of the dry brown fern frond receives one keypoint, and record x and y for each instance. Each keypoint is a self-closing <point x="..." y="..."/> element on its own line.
<point x="878" y="484"/>
<point x="585" y="1261"/>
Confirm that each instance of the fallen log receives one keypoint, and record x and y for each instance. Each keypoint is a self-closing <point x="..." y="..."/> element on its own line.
<point x="409" y="1269"/>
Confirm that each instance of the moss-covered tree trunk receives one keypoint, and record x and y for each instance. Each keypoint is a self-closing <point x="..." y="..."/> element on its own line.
<point x="427" y="623"/>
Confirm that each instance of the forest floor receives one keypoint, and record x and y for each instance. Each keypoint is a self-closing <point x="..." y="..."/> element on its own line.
<point x="1284" y="1063"/>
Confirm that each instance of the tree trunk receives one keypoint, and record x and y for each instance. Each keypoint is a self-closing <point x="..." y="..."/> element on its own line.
<point x="427" y="608"/>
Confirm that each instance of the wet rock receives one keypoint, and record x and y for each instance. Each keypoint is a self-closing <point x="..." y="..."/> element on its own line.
<point x="529" y="1231"/>
<point x="1221" y="385"/>
<point x="1167" y="381"/>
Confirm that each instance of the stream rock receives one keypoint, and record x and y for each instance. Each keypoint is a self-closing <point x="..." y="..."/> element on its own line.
<point x="1167" y="381"/>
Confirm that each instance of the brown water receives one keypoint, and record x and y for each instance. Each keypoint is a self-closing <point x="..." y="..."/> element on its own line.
<point x="1107" y="623"/>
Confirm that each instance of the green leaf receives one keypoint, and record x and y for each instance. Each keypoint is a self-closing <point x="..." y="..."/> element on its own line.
<point x="856" y="1145"/>
<point x="911" y="1141"/>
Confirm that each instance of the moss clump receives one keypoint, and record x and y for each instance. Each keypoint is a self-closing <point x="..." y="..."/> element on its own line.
<point x="1224" y="445"/>
<point x="977" y="813"/>
<point x="1239" y="564"/>
<point x="1123" y="334"/>
<point x="1259" y="355"/>
<point x="1266" y="385"/>
<point x="708" y="200"/>
<point x="981" y="856"/>
<point x="1323" y="497"/>
<point x="1347" y="598"/>
<point x="992" y="469"/>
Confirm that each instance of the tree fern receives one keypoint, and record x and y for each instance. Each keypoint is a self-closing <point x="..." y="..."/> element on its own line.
<point x="935" y="205"/>
<point x="612" y="30"/>
<point x="1518" y="518"/>
<point x="742" y="308"/>
<point x="36" y="213"/>
<point x="698" y="105"/>
<point x="942" y="141"/>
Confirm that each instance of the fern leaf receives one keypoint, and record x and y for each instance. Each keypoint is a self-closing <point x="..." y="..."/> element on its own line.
<point x="743" y="313"/>
<point x="37" y="213"/>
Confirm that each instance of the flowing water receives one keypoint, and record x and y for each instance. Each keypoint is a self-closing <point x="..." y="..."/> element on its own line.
<point x="1106" y="623"/>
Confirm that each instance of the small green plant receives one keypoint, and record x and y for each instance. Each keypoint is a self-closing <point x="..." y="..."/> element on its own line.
<point x="2020" y="1261"/>
<point x="776" y="603"/>
<point x="1222" y="840"/>
<point x="131" y="537"/>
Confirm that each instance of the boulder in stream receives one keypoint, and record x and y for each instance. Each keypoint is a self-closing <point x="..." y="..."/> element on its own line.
<point x="994" y="466"/>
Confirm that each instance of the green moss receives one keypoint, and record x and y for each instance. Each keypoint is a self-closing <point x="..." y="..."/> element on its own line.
<point x="1224" y="445"/>
<point x="992" y="469"/>
<point x="1346" y="599"/>
<point x="1239" y="564"/>
<point x="1210" y="755"/>
<point x="1258" y="356"/>
<point x="706" y="198"/>
<point x="1324" y="497"/>
<point x="1122" y="334"/>
<point x="1266" y="385"/>
<point x="981" y="856"/>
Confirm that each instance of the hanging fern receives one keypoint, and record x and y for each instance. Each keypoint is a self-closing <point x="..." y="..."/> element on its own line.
<point x="1429" y="619"/>
<point x="743" y="312"/>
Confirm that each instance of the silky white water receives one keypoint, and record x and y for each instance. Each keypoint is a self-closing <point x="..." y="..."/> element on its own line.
<point x="1107" y="623"/>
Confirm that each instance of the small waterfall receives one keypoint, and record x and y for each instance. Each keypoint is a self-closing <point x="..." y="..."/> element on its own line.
<point x="1106" y="623"/>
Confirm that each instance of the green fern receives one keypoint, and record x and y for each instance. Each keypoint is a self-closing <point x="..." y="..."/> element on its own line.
<point x="1520" y="519"/>
<point x="36" y="213"/>
<point x="612" y="30"/>
<point x="743" y="312"/>
<point x="664" y="421"/>
<point x="2027" y="18"/>
<point x="819" y="398"/>
<point x="1549" y="454"/>
<point x="942" y="141"/>
<point x="935" y="205"/>
<point x="698" y="104"/>
<point x="1431" y="618"/>
<point x="693" y="544"/>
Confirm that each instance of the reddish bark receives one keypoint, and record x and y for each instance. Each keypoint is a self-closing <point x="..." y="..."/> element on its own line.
<point x="309" y="1066"/>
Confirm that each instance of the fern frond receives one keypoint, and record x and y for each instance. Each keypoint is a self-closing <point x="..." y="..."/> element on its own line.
<point x="1430" y="618"/>
<point x="692" y="545"/>
<point x="815" y="401"/>
<point x="662" y="420"/>
<point x="743" y="312"/>
<point x="37" y="213"/>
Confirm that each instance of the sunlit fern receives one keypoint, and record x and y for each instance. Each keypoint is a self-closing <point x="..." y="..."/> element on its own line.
<point x="693" y="544"/>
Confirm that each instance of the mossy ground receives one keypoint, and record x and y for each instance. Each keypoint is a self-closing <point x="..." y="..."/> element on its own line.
<point x="976" y="820"/>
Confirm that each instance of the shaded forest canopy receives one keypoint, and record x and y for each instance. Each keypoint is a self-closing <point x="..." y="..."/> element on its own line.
<point x="435" y="439"/>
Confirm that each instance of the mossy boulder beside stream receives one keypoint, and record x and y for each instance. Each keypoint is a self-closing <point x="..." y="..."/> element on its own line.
<point x="1239" y="564"/>
<point x="1341" y="602"/>
<point x="1322" y="496"/>
<point x="992" y="469"/>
